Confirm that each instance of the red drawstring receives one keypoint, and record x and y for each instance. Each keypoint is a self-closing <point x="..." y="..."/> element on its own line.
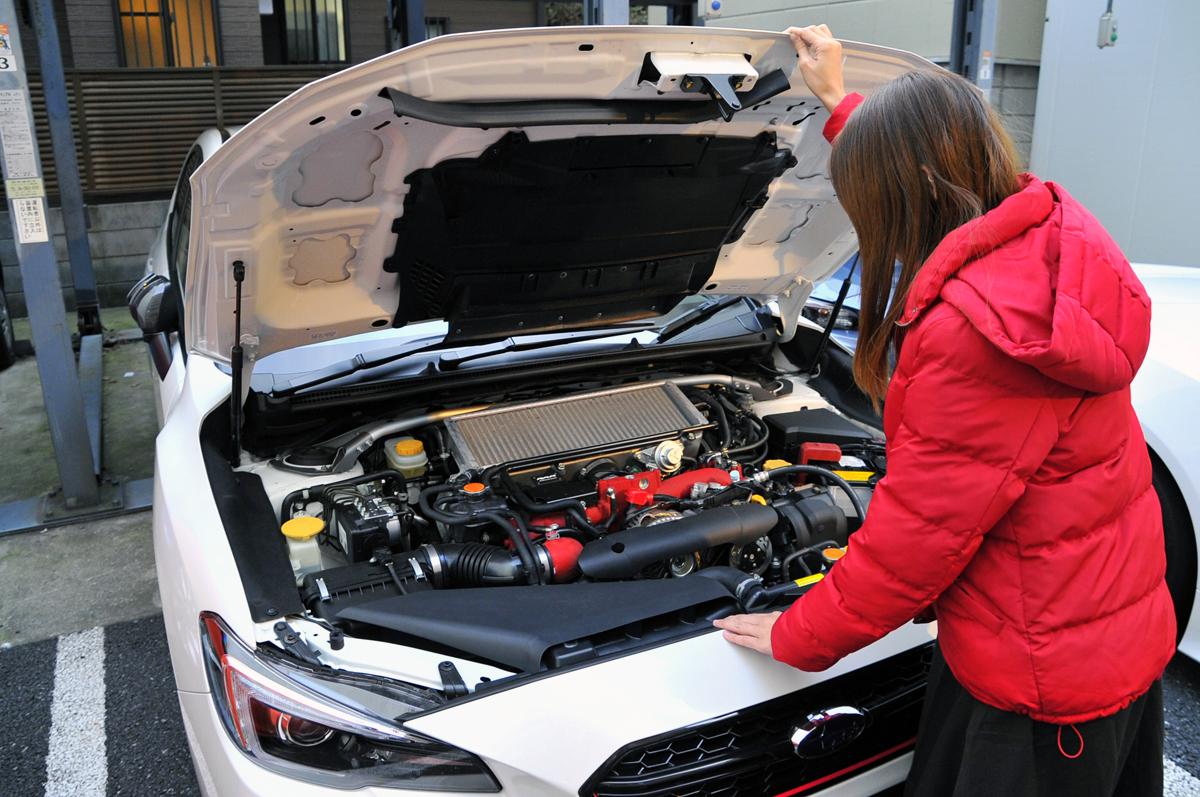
<point x="1078" y="752"/>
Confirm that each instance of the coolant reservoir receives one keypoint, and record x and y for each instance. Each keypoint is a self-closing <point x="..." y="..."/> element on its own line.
<point x="407" y="455"/>
<point x="303" y="549"/>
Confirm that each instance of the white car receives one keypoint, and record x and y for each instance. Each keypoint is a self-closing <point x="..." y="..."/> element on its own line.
<point x="511" y="326"/>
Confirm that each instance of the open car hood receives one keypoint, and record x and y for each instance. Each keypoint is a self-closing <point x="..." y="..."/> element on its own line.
<point x="523" y="181"/>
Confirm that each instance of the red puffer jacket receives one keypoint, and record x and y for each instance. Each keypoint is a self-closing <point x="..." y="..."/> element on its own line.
<point x="1018" y="499"/>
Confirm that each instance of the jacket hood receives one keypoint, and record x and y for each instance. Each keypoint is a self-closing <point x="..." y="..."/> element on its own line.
<point x="1042" y="280"/>
<point x="523" y="181"/>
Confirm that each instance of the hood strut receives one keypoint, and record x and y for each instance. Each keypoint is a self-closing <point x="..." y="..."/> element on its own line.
<point x="235" y="362"/>
<point x="823" y="343"/>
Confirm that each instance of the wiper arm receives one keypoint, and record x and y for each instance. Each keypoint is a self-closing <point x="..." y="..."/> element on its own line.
<point x="697" y="315"/>
<point x="446" y="363"/>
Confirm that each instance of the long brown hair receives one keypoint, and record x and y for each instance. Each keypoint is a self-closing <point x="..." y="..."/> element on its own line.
<point x="921" y="156"/>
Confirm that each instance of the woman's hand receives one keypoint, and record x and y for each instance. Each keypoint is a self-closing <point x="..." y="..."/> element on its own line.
<point x="749" y="630"/>
<point x="820" y="63"/>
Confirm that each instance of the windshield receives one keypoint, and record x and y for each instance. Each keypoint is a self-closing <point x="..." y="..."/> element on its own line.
<point x="413" y="349"/>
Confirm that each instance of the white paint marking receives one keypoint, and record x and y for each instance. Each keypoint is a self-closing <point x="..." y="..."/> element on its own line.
<point x="77" y="762"/>
<point x="1178" y="782"/>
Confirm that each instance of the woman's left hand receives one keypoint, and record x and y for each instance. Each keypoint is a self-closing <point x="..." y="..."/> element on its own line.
<point x="749" y="630"/>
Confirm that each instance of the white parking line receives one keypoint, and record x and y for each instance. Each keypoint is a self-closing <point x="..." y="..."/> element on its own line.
<point x="1178" y="782"/>
<point x="77" y="761"/>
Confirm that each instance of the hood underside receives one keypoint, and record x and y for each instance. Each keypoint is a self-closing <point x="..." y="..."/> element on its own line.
<point x="523" y="181"/>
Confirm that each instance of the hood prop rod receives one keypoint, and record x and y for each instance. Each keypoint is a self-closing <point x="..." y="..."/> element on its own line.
<point x="823" y="343"/>
<point x="235" y="362"/>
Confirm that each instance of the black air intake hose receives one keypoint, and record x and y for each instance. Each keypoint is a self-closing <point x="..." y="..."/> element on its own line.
<point x="626" y="553"/>
<point x="472" y="564"/>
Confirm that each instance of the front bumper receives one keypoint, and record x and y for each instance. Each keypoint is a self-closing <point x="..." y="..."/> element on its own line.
<point x="554" y="735"/>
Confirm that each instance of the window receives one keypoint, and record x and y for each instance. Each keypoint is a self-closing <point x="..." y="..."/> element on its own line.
<point x="436" y="26"/>
<point x="158" y="33"/>
<point x="179" y="223"/>
<point x="312" y="31"/>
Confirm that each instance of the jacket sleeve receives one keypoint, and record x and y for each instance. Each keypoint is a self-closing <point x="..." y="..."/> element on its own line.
<point x="837" y="119"/>
<point x="972" y="429"/>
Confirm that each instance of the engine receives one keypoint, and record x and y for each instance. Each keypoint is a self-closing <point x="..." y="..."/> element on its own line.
<point x="657" y="480"/>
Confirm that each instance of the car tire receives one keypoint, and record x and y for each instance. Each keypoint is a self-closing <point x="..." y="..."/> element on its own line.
<point x="1180" y="538"/>
<point x="8" y="341"/>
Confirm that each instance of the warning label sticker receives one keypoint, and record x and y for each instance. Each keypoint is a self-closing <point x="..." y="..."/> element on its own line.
<point x="7" y="62"/>
<point x="29" y="187"/>
<point x="16" y="137"/>
<point x="29" y="217"/>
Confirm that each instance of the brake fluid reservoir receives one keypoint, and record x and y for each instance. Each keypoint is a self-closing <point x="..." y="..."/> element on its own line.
<point x="406" y="455"/>
<point x="303" y="548"/>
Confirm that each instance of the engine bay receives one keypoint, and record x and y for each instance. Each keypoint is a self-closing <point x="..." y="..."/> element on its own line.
<point x="535" y="534"/>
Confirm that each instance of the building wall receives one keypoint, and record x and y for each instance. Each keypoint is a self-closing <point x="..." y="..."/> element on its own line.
<point x="1014" y="96"/>
<point x="93" y="34"/>
<point x="1117" y="127"/>
<point x="366" y="28"/>
<point x="241" y="32"/>
<point x="919" y="26"/>
<point x="468" y="15"/>
<point x="119" y="234"/>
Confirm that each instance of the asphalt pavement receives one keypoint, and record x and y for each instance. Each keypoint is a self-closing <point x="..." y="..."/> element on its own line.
<point x="94" y="713"/>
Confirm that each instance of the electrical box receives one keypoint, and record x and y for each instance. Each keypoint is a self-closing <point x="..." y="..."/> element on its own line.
<point x="709" y="9"/>
<point x="1107" y="35"/>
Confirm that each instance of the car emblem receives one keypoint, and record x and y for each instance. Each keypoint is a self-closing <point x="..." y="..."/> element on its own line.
<point x="828" y="730"/>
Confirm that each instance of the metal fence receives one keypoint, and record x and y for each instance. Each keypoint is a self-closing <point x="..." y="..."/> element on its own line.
<point x="133" y="127"/>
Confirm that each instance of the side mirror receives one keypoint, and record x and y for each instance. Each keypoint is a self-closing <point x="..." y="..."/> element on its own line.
<point x="151" y="305"/>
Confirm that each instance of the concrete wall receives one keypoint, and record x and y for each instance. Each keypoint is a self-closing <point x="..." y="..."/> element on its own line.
<point x="120" y="235"/>
<point x="1117" y="127"/>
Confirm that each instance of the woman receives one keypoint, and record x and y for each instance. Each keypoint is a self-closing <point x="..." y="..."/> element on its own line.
<point x="1017" y="504"/>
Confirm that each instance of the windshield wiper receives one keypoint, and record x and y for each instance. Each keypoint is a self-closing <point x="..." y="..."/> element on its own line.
<point x="695" y="316"/>
<point x="446" y="363"/>
<point x="352" y="366"/>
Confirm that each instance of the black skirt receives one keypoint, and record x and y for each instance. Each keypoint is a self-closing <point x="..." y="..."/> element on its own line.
<point x="967" y="748"/>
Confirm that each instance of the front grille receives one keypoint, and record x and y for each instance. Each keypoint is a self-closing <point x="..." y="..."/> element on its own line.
<point x="749" y="754"/>
<point x="575" y="423"/>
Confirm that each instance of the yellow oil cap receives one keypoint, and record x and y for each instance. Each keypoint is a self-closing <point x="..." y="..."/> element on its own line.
<point x="302" y="528"/>
<point x="758" y="499"/>
<point x="856" y="476"/>
<point x="772" y="464"/>
<point x="408" y="448"/>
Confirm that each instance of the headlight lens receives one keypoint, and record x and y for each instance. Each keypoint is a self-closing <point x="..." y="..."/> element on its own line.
<point x="334" y="731"/>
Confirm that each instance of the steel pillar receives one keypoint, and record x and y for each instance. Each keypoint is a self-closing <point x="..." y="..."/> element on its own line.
<point x="39" y="271"/>
<point x="973" y="41"/>
<point x="611" y="12"/>
<point x="54" y="87"/>
<point x="414" y="21"/>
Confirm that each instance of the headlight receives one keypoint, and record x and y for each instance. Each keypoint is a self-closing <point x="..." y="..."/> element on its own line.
<point x="331" y="730"/>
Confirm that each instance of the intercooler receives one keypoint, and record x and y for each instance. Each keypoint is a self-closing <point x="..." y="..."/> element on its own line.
<point x="606" y="419"/>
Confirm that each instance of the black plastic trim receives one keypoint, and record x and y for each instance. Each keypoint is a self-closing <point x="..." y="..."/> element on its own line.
<point x="535" y="113"/>
<point x="259" y="549"/>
